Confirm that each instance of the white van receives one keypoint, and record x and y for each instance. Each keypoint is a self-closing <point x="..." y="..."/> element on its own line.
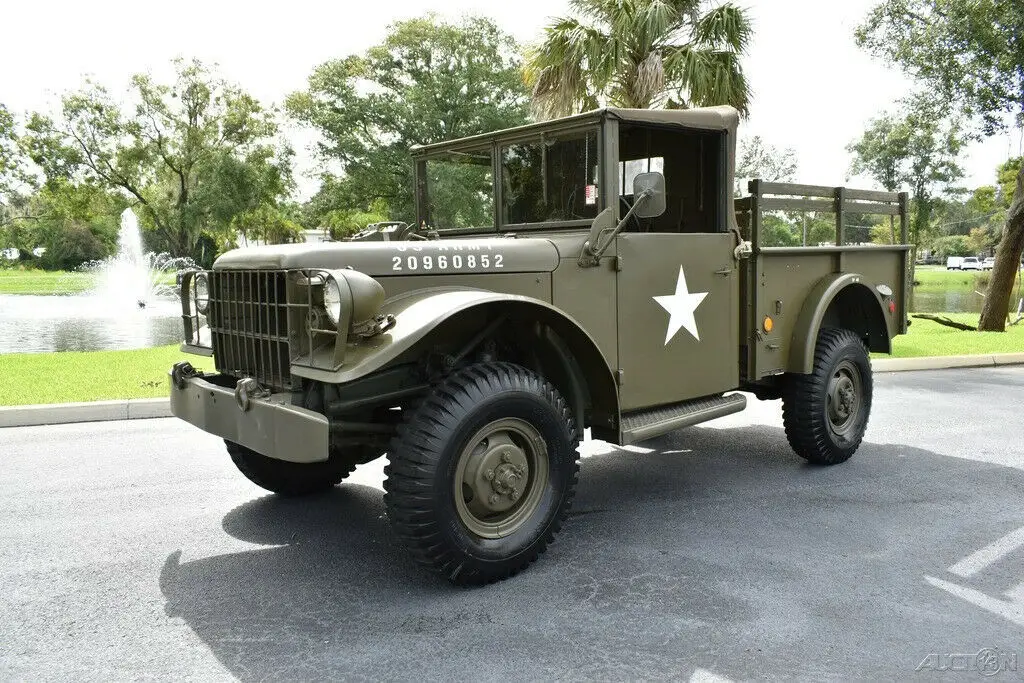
<point x="953" y="262"/>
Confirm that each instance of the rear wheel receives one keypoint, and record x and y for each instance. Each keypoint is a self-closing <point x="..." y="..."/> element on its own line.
<point x="294" y="478"/>
<point x="481" y="474"/>
<point x="826" y="412"/>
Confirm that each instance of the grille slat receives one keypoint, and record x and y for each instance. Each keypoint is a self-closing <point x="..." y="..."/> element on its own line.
<point x="248" y="325"/>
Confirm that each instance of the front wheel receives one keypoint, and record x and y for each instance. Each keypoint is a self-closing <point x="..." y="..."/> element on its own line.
<point x="826" y="412"/>
<point x="481" y="474"/>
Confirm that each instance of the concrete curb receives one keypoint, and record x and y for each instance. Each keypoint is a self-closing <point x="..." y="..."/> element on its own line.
<point x="145" y="408"/>
<point x="946" y="362"/>
<point x="93" y="411"/>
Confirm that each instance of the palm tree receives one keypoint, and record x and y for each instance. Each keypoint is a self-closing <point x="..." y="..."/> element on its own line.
<point x="642" y="54"/>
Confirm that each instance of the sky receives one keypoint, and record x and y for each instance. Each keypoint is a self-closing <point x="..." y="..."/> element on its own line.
<point x="814" y="90"/>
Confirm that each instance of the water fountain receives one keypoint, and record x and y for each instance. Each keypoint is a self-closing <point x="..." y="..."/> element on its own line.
<point x="133" y="305"/>
<point x="132" y="277"/>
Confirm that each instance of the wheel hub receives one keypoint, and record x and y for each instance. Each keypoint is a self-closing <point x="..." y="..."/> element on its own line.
<point x="496" y="473"/>
<point x="843" y="397"/>
<point x="500" y="477"/>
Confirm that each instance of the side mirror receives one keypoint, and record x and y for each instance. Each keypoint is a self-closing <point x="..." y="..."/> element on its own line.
<point x="649" y="202"/>
<point x="653" y="184"/>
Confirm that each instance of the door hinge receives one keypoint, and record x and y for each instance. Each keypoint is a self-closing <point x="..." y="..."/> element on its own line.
<point x="618" y="263"/>
<point x="619" y="375"/>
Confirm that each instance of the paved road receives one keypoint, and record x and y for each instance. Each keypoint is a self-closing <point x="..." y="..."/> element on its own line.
<point x="132" y="550"/>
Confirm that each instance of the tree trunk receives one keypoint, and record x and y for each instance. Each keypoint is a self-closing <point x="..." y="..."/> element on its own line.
<point x="1000" y="286"/>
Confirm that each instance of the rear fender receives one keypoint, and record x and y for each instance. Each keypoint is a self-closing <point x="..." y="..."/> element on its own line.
<point x="843" y="300"/>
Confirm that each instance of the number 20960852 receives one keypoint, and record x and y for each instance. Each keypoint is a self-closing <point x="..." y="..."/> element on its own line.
<point x="421" y="262"/>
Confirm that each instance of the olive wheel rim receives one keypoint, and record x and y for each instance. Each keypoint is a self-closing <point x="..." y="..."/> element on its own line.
<point x="502" y="472"/>
<point x="843" y="398"/>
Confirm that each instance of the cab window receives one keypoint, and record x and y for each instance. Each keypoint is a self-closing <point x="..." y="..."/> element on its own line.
<point x="693" y="163"/>
<point x="550" y="179"/>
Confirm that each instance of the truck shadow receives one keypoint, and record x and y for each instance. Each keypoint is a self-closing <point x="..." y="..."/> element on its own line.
<point x="719" y="551"/>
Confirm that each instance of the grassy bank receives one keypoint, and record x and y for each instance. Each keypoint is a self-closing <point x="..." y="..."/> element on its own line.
<point x="928" y="338"/>
<point x="44" y="282"/>
<point x="73" y="376"/>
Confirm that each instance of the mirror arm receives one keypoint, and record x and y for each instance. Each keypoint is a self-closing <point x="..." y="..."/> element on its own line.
<point x="594" y="252"/>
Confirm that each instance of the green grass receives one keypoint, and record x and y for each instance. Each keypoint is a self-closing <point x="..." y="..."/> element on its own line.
<point x="928" y="338"/>
<point x="73" y="376"/>
<point x="938" y="278"/>
<point x="44" y="282"/>
<point x="47" y="282"/>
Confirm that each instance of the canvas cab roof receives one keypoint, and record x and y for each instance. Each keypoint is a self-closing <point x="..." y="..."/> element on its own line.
<point x="721" y="118"/>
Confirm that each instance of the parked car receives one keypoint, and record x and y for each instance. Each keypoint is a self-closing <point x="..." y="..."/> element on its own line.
<point x="953" y="262"/>
<point x="970" y="263"/>
<point x="989" y="263"/>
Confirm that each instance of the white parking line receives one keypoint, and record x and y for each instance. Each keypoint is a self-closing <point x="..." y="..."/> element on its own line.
<point x="1011" y="610"/>
<point x="993" y="552"/>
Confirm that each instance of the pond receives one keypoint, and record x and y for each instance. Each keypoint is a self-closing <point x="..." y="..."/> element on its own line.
<point x="84" y="323"/>
<point x="953" y="300"/>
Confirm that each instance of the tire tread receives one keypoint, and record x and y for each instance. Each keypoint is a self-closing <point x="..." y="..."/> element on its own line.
<point x="414" y="455"/>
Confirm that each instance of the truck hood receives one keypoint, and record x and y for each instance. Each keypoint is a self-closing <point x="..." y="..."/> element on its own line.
<point x="429" y="257"/>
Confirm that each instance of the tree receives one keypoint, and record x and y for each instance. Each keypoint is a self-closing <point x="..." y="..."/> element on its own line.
<point x="191" y="155"/>
<point x="428" y="81"/>
<point x="268" y="225"/>
<point x="640" y="53"/>
<point x="342" y="224"/>
<point x="759" y="159"/>
<point x="10" y="164"/>
<point x="778" y="232"/>
<point x="969" y="53"/>
<point x="951" y="245"/>
<point x="918" y="148"/>
<point x="16" y="177"/>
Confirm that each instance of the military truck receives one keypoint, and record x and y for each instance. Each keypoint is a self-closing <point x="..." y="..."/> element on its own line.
<point x="592" y="272"/>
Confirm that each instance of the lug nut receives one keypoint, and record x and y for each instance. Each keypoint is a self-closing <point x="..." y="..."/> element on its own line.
<point x="489" y="475"/>
<point x="493" y="499"/>
<point x="514" y="494"/>
<point x="505" y="457"/>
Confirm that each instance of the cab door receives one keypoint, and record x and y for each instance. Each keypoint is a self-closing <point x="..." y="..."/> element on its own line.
<point x="678" y="333"/>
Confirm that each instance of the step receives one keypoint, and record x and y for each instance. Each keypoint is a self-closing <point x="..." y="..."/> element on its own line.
<point x="652" y="422"/>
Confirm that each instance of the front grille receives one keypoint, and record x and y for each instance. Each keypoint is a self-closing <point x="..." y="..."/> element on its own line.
<point x="248" y="319"/>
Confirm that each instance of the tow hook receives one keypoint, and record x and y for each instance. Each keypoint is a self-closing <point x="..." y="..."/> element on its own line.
<point x="244" y="392"/>
<point x="181" y="372"/>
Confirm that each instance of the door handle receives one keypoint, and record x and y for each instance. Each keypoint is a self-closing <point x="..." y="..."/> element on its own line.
<point x="724" y="271"/>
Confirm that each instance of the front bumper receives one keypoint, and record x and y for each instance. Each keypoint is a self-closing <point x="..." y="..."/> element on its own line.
<point x="270" y="425"/>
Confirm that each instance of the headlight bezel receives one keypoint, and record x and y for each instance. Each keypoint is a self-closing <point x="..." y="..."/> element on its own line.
<point x="202" y="303"/>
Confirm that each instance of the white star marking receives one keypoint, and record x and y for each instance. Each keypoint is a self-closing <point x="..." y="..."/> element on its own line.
<point x="681" y="307"/>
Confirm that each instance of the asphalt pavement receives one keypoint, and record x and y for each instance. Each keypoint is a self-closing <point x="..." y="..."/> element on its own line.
<point x="135" y="550"/>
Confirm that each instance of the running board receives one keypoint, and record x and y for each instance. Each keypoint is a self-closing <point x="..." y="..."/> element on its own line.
<point x="652" y="422"/>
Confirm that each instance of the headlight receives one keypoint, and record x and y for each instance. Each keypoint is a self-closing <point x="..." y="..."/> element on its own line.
<point x="332" y="299"/>
<point x="201" y="292"/>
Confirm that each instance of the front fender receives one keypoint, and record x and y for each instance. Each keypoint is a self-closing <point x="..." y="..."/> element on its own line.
<point x="420" y="312"/>
<point x="818" y="304"/>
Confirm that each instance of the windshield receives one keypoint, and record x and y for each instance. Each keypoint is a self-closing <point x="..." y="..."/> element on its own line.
<point x="460" y="188"/>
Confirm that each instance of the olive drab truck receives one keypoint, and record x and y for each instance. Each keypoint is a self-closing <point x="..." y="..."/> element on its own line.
<point x="588" y="272"/>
